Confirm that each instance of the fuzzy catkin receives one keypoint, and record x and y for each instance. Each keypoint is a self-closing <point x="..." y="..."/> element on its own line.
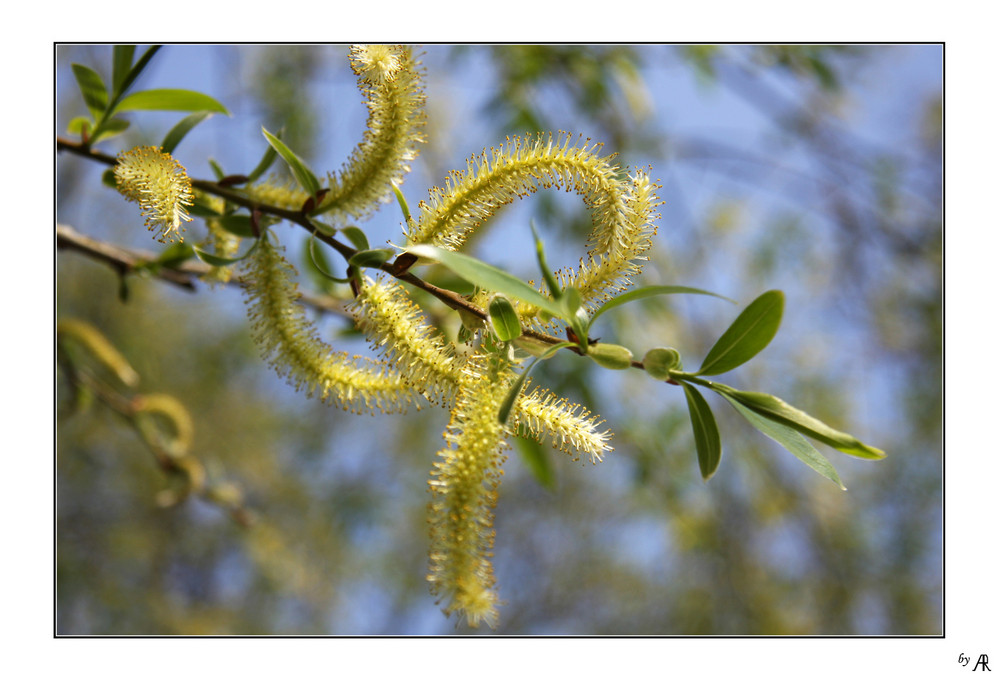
<point x="290" y="344"/>
<point x="463" y="488"/>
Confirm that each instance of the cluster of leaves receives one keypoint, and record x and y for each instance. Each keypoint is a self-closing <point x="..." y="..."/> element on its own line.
<point x="105" y="104"/>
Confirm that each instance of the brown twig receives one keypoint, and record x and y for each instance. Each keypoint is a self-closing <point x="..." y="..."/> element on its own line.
<point x="449" y="298"/>
<point x="184" y="275"/>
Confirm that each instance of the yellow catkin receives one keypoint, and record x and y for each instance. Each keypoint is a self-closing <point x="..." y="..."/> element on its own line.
<point x="289" y="343"/>
<point x="390" y="79"/>
<point x="160" y="185"/>
<point x="463" y="488"/>
<point x="568" y="426"/>
<point x="399" y="331"/>
<point x="623" y="208"/>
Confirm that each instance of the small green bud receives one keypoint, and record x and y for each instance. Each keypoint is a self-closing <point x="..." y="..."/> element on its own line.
<point x="659" y="361"/>
<point x="610" y="356"/>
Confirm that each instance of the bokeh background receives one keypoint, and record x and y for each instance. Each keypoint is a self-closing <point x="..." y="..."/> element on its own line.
<point x="813" y="169"/>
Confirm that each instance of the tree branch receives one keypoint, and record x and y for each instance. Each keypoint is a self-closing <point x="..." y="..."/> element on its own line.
<point x="183" y="275"/>
<point x="449" y="298"/>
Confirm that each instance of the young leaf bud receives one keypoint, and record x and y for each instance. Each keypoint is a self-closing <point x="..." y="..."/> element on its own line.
<point x="610" y="356"/>
<point x="659" y="361"/>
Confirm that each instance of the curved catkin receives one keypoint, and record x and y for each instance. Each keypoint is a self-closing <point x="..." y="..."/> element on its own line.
<point x="289" y="343"/>
<point x="623" y="208"/>
<point x="605" y="275"/>
<point x="463" y="488"/>
<point x="390" y="78"/>
<point x="517" y="169"/>
<point x="398" y="330"/>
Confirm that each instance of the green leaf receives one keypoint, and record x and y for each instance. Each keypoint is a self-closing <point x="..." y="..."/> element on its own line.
<point x="488" y="277"/>
<point x="79" y="125"/>
<point x="95" y="94"/>
<point x="320" y="263"/>
<point x="706" y="433"/>
<point x="537" y="460"/>
<point x="515" y="390"/>
<point x="653" y="290"/>
<point x="177" y="253"/>
<point x="504" y="318"/>
<point x="307" y="180"/>
<point x="265" y="162"/>
<point x="170" y="100"/>
<point x="401" y="199"/>
<point x="550" y="279"/>
<point x="214" y="260"/>
<point x="752" y="330"/>
<point x="371" y="258"/>
<point x="217" y="170"/>
<point x="122" y="62"/>
<point x="357" y="237"/>
<point x="109" y="129"/>
<point x="572" y="305"/>
<point x="778" y="410"/>
<point x="180" y="130"/>
<point x="237" y="224"/>
<point x="791" y="440"/>
<point x="570" y="301"/>
<point x="134" y="72"/>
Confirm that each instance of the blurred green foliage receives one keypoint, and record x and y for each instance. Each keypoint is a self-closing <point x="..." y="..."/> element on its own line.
<point x="636" y="545"/>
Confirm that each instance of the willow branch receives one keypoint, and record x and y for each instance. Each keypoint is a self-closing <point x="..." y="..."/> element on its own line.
<point x="183" y="275"/>
<point x="451" y="299"/>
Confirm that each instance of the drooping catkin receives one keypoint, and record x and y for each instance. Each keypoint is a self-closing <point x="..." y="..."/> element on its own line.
<point x="289" y="342"/>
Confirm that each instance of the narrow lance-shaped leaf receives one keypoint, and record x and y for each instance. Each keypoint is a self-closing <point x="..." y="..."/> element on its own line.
<point x="265" y="162"/>
<point x="752" y="330"/>
<point x="170" y="100"/>
<point x="706" y="432"/>
<point x="791" y="440"/>
<point x="550" y="279"/>
<point x="137" y="68"/>
<point x="401" y="199"/>
<point x="650" y="291"/>
<point x="95" y="94"/>
<point x="180" y="130"/>
<point x="488" y="277"/>
<point x="121" y="60"/>
<point x="307" y="180"/>
<point x="778" y="410"/>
